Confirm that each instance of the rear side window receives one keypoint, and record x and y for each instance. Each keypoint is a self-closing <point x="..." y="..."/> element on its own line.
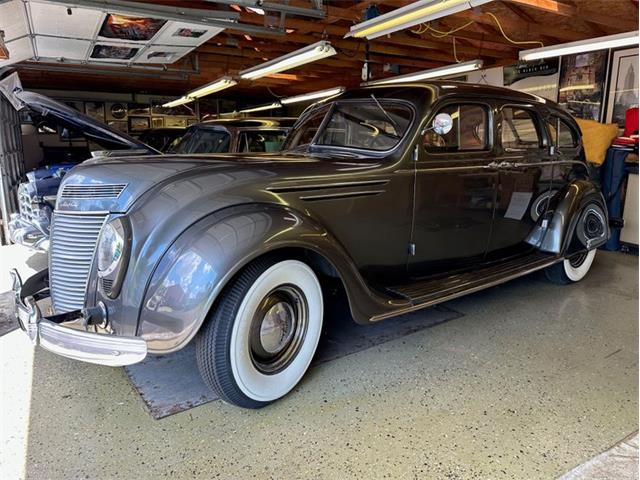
<point x="519" y="130"/>
<point x="261" y="141"/>
<point x="469" y="131"/>
<point x="562" y="135"/>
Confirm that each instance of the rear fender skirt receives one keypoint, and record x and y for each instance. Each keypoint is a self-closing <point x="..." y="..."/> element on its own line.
<point x="565" y="229"/>
<point x="202" y="260"/>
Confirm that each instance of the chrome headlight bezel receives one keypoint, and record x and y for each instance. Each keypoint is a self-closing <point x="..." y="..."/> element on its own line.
<point x="112" y="255"/>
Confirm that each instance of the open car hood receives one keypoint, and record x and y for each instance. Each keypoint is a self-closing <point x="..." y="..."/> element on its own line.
<point x="44" y="107"/>
<point x="96" y="131"/>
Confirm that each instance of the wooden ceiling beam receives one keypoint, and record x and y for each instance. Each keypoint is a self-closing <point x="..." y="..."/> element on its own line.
<point x="578" y="13"/>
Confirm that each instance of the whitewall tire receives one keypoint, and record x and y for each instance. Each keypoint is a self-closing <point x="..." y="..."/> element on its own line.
<point x="572" y="269"/>
<point x="262" y="335"/>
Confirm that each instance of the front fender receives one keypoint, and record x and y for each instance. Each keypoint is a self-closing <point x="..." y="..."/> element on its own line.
<point x="569" y="203"/>
<point x="198" y="265"/>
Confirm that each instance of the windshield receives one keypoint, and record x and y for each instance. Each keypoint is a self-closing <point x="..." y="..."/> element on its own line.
<point x="366" y="125"/>
<point x="203" y="140"/>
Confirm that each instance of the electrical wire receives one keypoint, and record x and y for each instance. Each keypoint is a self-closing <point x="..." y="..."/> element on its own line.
<point x="426" y="27"/>
<point x="515" y="42"/>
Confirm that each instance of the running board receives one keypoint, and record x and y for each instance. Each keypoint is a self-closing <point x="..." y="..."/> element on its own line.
<point x="426" y="293"/>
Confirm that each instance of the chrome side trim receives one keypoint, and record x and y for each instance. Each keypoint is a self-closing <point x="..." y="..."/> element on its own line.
<point x="302" y="188"/>
<point x="461" y="293"/>
<point x="334" y="196"/>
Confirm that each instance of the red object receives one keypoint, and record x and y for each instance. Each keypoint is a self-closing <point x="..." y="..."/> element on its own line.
<point x="631" y="122"/>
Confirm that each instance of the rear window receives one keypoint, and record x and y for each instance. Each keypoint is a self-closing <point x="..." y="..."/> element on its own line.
<point x="519" y="130"/>
<point x="562" y="135"/>
<point x="203" y="140"/>
<point x="261" y="141"/>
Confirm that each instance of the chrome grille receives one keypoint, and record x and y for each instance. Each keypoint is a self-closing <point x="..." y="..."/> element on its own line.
<point x="93" y="191"/>
<point x="73" y="243"/>
<point x="28" y="210"/>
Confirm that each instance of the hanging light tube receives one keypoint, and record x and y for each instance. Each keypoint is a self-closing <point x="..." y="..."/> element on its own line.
<point x="417" y="12"/>
<point x="261" y="108"/>
<point x="581" y="46"/>
<point x="308" y="54"/>
<point x="215" y="86"/>
<point x="178" y="102"/>
<point x="454" y="69"/>
<point x="305" y="97"/>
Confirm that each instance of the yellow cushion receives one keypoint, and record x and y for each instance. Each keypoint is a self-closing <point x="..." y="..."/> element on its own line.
<point x="597" y="138"/>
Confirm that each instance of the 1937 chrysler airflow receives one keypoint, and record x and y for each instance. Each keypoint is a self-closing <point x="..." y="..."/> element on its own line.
<point x="410" y="195"/>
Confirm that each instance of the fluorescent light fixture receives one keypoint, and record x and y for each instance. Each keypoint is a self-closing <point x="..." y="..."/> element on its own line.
<point x="215" y="86"/>
<point x="410" y="15"/>
<point x="433" y="73"/>
<point x="179" y="101"/>
<point x="313" y="95"/>
<point x="308" y="54"/>
<point x="261" y="108"/>
<point x="600" y="43"/>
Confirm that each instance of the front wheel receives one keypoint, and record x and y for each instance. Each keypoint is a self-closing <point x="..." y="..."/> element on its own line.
<point x="572" y="269"/>
<point x="261" y="337"/>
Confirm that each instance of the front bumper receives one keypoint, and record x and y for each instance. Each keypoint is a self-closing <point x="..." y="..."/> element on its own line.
<point x="25" y="233"/>
<point x="51" y="334"/>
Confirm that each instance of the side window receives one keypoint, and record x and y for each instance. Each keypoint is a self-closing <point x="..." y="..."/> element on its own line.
<point x="261" y="141"/>
<point x="519" y="129"/>
<point x="562" y="135"/>
<point x="469" y="132"/>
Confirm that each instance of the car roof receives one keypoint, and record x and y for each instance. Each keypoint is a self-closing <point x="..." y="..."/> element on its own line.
<point x="439" y="89"/>
<point x="253" y="122"/>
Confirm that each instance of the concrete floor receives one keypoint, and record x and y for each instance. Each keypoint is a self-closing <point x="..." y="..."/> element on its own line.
<point x="533" y="380"/>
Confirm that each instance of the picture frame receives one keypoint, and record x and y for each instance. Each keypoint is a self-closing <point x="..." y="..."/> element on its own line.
<point x="157" y="122"/>
<point x="139" y="109"/>
<point x="623" y="85"/>
<point x="582" y="83"/>
<point x="95" y="110"/>
<point x="139" y="124"/>
<point x="119" y="125"/>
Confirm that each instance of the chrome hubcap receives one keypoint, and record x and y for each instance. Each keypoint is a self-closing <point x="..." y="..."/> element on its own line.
<point x="278" y="329"/>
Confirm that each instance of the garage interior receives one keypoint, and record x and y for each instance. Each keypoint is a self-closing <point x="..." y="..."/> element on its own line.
<point x="522" y="380"/>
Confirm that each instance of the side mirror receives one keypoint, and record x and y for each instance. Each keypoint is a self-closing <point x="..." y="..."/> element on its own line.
<point x="442" y="124"/>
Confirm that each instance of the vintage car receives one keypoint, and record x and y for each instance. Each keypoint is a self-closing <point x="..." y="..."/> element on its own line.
<point x="409" y="195"/>
<point x="162" y="139"/>
<point x="242" y="135"/>
<point x="37" y="196"/>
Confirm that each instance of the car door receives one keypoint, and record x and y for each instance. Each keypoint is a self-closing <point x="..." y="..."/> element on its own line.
<point x="455" y="184"/>
<point x="522" y="192"/>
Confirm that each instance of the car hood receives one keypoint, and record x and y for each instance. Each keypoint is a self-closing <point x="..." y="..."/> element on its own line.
<point x="43" y="107"/>
<point x="133" y="177"/>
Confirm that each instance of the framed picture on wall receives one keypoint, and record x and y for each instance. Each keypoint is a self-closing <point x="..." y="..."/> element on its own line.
<point x="95" y="110"/>
<point x="582" y="83"/>
<point x="623" y="87"/>
<point x="157" y="122"/>
<point x="138" y="124"/>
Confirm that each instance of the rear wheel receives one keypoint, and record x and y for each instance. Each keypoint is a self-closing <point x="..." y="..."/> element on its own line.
<point x="263" y="333"/>
<point x="572" y="269"/>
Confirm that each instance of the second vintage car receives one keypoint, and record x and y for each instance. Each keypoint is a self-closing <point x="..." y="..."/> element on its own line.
<point x="410" y="195"/>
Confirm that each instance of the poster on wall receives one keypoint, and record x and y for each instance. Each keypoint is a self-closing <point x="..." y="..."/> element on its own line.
<point x="537" y="78"/>
<point x="623" y="87"/>
<point x="582" y="81"/>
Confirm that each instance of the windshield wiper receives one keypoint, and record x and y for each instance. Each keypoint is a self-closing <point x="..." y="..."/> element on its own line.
<point x="393" y="122"/>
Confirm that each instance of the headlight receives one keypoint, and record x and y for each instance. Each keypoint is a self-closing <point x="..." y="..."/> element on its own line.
<point x="113" y="255"/>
